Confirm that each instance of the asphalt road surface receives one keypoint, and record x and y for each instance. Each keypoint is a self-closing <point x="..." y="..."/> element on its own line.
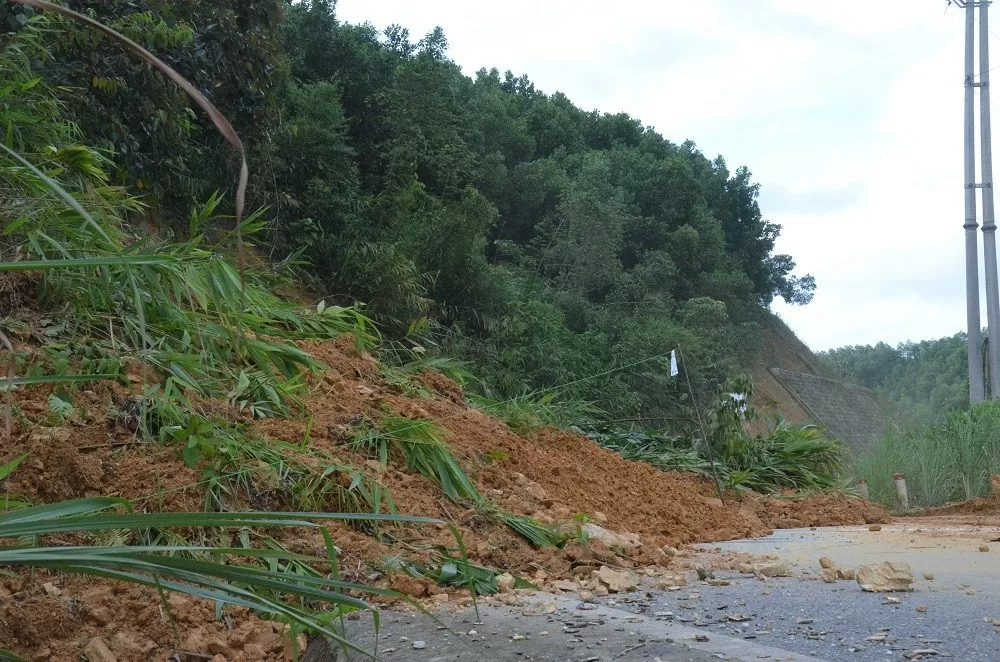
<point x="950" y="616"/>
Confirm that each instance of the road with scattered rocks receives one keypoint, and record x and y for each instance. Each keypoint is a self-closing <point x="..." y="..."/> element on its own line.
<point x="953" y="611"/>
<point x="573" y="632"/>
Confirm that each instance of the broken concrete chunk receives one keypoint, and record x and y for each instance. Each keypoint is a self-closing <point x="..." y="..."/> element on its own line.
<point x="669" y="582"/>
<point x="885" y="577"/>
<point x="564" y="585"/>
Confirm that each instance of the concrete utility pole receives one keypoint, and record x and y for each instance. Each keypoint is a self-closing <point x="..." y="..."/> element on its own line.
<point x="977" y="387"/>
<point x="989" y="227"/>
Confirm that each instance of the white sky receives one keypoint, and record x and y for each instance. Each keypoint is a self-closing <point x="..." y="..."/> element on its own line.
<point x="848" y="112"/>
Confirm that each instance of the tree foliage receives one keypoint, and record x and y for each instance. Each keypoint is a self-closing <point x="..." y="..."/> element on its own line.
<point x="554" y="247"/>
<point x="927" y="380"/>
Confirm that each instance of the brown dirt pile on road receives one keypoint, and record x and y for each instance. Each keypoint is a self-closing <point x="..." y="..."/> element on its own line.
<point x="552" y="476"/>
<point x="971" y="507"/>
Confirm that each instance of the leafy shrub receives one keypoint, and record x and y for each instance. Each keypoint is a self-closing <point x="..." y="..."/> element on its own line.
<point x="797" y="457"/>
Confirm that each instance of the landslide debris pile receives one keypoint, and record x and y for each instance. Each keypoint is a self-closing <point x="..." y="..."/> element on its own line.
<point x="598" y="507"/>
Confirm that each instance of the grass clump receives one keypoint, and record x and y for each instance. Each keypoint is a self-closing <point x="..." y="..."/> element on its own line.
<point x="942" y="463"/>
<point x="529" y="412"/>
<point x="798" y="457"/>
<point x="536" y="533"/>
<point x="420" y="444"/>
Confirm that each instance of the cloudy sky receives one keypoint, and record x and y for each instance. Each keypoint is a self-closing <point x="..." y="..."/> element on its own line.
<point x="848" y="113"/>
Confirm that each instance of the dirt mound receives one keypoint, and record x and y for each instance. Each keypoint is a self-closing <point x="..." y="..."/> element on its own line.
<point x="554" y="477"/>
<point x="974" y="506"/>
<point x="824" y="510"/>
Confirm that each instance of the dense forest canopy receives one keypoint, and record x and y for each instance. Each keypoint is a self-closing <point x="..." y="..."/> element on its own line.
<point x="925" y="380"/>
<point x="548" y="245"/>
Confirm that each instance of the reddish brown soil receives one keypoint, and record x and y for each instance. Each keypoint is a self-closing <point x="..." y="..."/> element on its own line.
<point x="976" y="506"/>
<point x="551" y="475"/>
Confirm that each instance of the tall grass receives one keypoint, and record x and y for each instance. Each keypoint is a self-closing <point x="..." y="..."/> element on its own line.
<point x="799" y="457"/>
<point x="948" y="462"/>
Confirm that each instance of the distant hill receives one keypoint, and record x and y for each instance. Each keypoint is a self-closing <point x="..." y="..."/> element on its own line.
<point x="924" y="381"/>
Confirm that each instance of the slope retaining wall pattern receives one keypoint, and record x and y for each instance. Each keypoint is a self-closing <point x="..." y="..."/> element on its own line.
<point x="851" y="414"/>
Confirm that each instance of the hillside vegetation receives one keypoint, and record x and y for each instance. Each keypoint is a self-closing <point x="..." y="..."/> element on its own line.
<point x="480" y="217"/>
<point x="440" y="282"/>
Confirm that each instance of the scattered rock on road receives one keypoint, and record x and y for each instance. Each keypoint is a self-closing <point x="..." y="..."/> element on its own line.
<point x="616" y="581"/>
<point x="623" y="541"/>
<point x="829" y="575"/>
<point x="875" y="527"/>
<point x="984" y="548"/>
<point x="827" y="563"/>
<point x="886" y="577"/>
<point x="506" y="582"/>
<point x="670" y="582"/>
<point x="772" y="569"/>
